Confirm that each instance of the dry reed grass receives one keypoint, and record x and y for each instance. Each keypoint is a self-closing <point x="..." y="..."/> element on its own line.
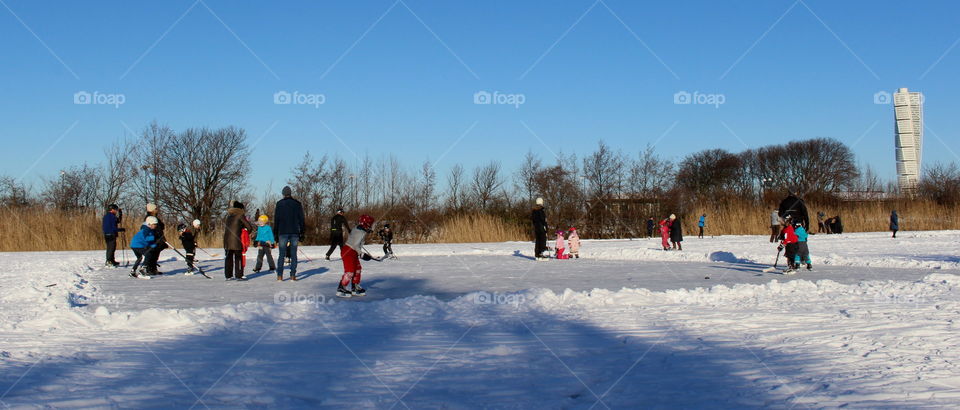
<point x="36" y="229"/>
<point x="477" y="228"/>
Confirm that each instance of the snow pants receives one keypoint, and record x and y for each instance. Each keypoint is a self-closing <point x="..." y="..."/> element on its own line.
<point x="803" y="253"/>
<point x="790" y="252"/>
<point x="190" y="250"/>
<point x="540" y="246"/>
<point x="666" y="239"/>
<point x="351" y="266"/>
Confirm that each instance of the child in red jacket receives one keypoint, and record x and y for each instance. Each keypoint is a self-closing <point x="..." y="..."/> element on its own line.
<point x="790" y="243"/>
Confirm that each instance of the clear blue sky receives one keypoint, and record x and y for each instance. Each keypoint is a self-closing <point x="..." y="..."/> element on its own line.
<point x="402" y="81"/>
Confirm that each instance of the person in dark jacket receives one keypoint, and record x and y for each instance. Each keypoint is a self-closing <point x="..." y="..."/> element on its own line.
<point x="651" y="224"/>
<point x="234" y="225"/>
<point x="793" y="206"/>
<point x="894" y="222"/>
<point x="837" y="225"/>
<point x="539" y="219"/>
<point x="338" y="225"/>
<point x="111" y="227"/>
<point x="288" y="229"/>
<point x="188" y="238"/>
<point x="676" y="233"/>
<point x="150" y="261"/>
<point x="386" y="235"/>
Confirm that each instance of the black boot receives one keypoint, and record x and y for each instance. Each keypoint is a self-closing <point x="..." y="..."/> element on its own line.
<point x="357" y="290"/>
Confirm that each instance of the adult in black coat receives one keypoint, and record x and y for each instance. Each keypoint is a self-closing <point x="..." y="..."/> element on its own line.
<point x="539" y="219"/>
<point x="676" y="233"/>
<point x="795" y="207"/>
<point x="288" y="230"/>
<point x="338" y="225"/>
<point x="234" y="225"/>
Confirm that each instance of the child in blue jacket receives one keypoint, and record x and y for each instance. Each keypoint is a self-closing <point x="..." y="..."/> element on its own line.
<point x="144" y="242"/>
<point x="803" y="251"/>
<point x="264" y="242"/>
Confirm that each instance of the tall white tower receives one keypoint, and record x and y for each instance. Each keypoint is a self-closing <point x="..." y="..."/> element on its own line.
<point x="908" y="113"/>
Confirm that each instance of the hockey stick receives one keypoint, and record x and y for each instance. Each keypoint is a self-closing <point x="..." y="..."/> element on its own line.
<point x="123" y="251"/>
<point x="304" y="254"/>
<point x="212" y="255"/>
<point x="185" y="259"/>
<point x="380" y="259"/>
<point x="775" y="262"/>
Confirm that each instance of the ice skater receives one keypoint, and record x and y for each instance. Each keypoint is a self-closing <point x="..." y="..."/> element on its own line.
<point x="188" y="239"/>
<point x="386" y="235"/>
<point x="264" y="243"/>
<point x="803" y="251"/>
<point x="573" y="241"/>
<point x="788" y="244"/>
<point x="144" y="245"/>
<point x="665" y="233"/>
<point x="702" y="224"/>
<point x="561" y="247"/>
<point x="350" y="254"/>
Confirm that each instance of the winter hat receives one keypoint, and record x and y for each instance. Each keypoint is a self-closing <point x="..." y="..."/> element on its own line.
<point x="115" y="207"/>
<point x="263" y="218"/>
<point x="540" y="201"/>
<point x="672" y="217"/>
<point x="196" y="223"/>
<point x="151" y="208"/>
<point x="152" y="220"/>
<point x="237" y="204"/>
<point x="339" y="210"/>
<point x="287" y="192"/>
<point x="181" y="227"/>
<point x="572" y="229"/>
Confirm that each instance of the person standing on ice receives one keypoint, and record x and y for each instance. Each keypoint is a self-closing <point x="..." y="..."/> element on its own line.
<point x="894" y="222"/>
<point x="665" y="232"/>
<point x="774" y="225"/>
<point x="702" y="224"/>
<point x="539" y="219"/>
<point x="288" y="224"/>
<point x="573" y="240"/>
<point x="233" y="226"/>
<point x="264" y="243"/>
<point x="803" y="251"/>
<point x="111" y="227"/>
<point x="338" y="225"/>
<point x="650" y="225"/>
<point x="143" y="244"/>
<point x="676" y="233"/>
<point x="350" y="254"/>
<point x="560" y="246"/>
<point x="188" y="239"/>
<point x="150" y="261"/>
<point x="788" y="244"/>
<point x="386" y="235"/>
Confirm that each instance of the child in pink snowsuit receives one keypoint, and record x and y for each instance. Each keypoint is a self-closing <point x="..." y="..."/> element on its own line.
<point x="665" y="233"/>
<point x="560" y="246"/>
<point x="573" y="240"/>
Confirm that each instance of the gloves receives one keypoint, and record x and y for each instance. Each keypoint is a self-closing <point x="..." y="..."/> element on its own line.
<point x="780" y="248"/>
<point x="300" y="238"/>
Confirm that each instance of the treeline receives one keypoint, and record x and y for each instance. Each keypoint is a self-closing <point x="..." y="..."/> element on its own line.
<point x="194" y="173"/>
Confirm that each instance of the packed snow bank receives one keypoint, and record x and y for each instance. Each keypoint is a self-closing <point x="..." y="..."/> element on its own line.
<point x="928" y="250"/>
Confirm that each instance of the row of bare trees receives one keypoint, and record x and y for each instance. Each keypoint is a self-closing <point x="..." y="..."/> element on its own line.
<point x="193" y="173"/>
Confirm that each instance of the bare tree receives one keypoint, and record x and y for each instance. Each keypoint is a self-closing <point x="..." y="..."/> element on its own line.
<point x="118" y="171"/>
<point x="13" y="193"/>
<point x="604" y="171"/>
<point x="202" y="169"/>
<point x="710" y="174"/>
<point x="650" y="175"/>
<point x="455" y="187"/>
<point x="941" y="183"/>
<point x="525" y="179"/>
<point x="77" y="187"/>
<point x="486" y="183"/>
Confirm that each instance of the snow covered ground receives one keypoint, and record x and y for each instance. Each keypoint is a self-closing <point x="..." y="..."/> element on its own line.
<point x="482" y="325"/>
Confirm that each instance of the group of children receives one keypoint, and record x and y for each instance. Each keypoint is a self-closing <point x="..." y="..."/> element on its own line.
<point x="793" y="243"/>
<point x="572" y="244"/>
